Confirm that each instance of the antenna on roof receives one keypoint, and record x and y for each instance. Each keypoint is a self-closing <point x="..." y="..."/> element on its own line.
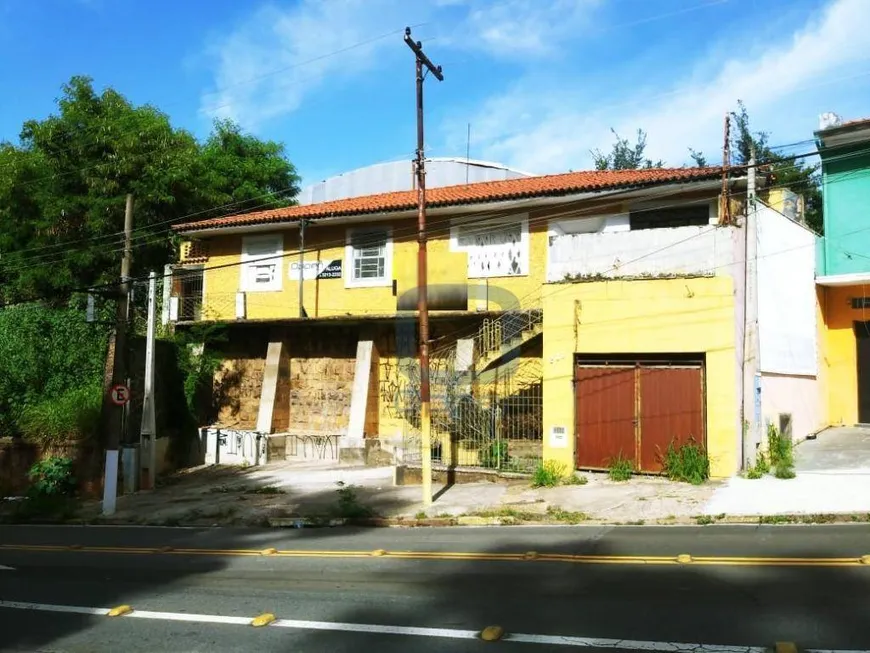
<point x="468" y="153"/>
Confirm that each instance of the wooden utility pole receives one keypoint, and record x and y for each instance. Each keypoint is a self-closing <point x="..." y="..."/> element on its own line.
<point x="114" y="411"/>
<point x="725" y="214"/>
<point x="301" y="265"/>
<point x="422" y="270"/>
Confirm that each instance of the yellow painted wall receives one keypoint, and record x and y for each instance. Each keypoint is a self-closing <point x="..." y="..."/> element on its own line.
<point x="649" y="316"/>
<point x="838" y="354"/>
<point x="330" y="298"/>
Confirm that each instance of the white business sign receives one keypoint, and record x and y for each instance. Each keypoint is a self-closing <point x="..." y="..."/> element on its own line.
<point x="559" y="437"/>
<point x="329" y="269"/>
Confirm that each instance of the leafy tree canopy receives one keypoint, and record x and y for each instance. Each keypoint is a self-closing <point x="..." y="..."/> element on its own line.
<point x="624" y="155"/>
<point x="63" y="189"/>
<point x="793" y="174"/>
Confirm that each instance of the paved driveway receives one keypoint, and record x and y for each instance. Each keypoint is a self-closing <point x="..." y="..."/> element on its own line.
<point x="839" y="450"/>
<point x="833" y="476"/>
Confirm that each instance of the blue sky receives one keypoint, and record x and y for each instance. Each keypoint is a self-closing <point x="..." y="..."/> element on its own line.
<point x="540" y="81"/>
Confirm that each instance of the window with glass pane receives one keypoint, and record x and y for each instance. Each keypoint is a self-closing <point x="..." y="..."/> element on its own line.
<point x="369" y="255"/>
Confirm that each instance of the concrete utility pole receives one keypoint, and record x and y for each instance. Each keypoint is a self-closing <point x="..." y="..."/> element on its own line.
<point x="115" y="413"/>
<point x="422" y="278"/>
<point x="149" y="427"/>
<point x="751" y="371"/>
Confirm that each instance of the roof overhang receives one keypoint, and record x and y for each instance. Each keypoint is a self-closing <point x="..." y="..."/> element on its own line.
<point x="460" y="210"/>
<point x="844" y="135"/>
<point x="833" y="280"/>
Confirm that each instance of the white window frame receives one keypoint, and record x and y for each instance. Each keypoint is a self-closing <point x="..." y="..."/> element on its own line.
<point x="274" y="243"/>
<point x="350" y="280"/>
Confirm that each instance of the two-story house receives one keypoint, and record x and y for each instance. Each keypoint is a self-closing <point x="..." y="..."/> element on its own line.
<point x="844" y="270"/>
<point x="576" y="317"/>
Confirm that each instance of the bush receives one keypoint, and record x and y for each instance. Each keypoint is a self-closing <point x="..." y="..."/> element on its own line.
<point x="75" y="414"/>
<point x="52" y="477"/>
<point x="621" y="468"/>
<point x="494" y="455"/>
<point x="686" y="462"/>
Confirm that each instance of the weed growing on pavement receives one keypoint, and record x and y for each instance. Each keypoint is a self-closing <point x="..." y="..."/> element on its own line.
<point x="349" y="506"/>
<point x="266" y="489"/>
<point x="621" y="468"/>
<point x="686" y="462"/>
<point x="51" y="495"/>
<point x="575" y="479"/>
<point x="566" y="516"/>
<point x="781" y="450"/>
<point x="704" y="520"/>
<point x="548" y="474"/>
<point x="421" y="515"/>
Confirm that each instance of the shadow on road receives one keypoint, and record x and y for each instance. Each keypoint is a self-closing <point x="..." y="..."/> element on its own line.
<point x="727" y="605"/>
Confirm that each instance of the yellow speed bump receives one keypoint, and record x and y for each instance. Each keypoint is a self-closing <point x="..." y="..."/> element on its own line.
<point x="263" y="620"/>
<point x="166" y="549"/>
<point x="120" y="611"/>
<point x="493" y="633"/>
<point x="75" y="547"/>
<point x="786" y="647"/>
<point x="684" y="558"/>
<point x="379" y="552"/>
<point x="865" y="560"/>
<point x="269" y="552"/>
<point x="530" y="555"/>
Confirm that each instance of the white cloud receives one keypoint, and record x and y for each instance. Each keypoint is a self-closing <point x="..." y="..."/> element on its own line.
<point x="522" y="28"/>
<point x="553" y="129"/>
<point x="268" y="65"/>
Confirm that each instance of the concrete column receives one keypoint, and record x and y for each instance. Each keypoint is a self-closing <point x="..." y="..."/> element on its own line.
<point x="274" y="374"/>
<point x="352" y="445"/>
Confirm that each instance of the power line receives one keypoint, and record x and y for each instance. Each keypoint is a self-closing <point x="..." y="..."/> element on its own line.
<point x="152" y="229"/>
<point x="231" y="86"/>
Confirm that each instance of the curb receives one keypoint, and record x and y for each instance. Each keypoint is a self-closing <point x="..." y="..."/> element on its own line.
<point x="479" y="520"/>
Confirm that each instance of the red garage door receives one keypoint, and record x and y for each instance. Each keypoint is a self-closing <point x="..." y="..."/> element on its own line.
<point x="636" y="410"/>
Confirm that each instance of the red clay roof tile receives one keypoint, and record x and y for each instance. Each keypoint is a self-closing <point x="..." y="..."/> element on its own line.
<point x="489" y="191"/>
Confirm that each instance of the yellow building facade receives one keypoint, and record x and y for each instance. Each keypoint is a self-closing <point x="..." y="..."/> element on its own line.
<point x="521" y="288"/>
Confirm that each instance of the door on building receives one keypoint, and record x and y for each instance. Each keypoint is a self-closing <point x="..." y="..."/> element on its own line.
<point x="862" y="344"/>
<point x="636" y="408"/>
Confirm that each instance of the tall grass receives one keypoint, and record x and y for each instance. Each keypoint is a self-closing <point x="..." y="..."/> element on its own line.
<point x="686" y="462"/>
<point x="74" y="414"/>
<point x="621" y="468"/>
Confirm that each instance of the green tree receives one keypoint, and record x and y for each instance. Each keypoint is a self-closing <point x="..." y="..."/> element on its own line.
<point x="793" y="174"/>
<point x="624" y="155"/>
<point x="63" y="188"/>
<point x="699" y="159"/>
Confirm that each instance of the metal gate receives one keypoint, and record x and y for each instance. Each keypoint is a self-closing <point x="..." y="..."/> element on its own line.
<point x="635" y="410"/>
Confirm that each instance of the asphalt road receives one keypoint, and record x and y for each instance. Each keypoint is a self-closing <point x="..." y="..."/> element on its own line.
<point x="434" y="589"/>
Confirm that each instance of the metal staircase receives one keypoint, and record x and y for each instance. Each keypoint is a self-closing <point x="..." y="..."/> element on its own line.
<point x="504" y="334"/>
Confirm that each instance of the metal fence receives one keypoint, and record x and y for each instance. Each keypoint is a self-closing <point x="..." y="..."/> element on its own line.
<point x="492" y="422"/>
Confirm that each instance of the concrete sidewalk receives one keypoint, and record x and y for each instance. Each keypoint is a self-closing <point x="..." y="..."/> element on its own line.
<point x="258" y="496"/>
<point x="254" y="496"/>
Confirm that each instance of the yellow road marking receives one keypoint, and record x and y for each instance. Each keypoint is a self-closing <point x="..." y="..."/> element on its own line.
<point x="742" y="561"/>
